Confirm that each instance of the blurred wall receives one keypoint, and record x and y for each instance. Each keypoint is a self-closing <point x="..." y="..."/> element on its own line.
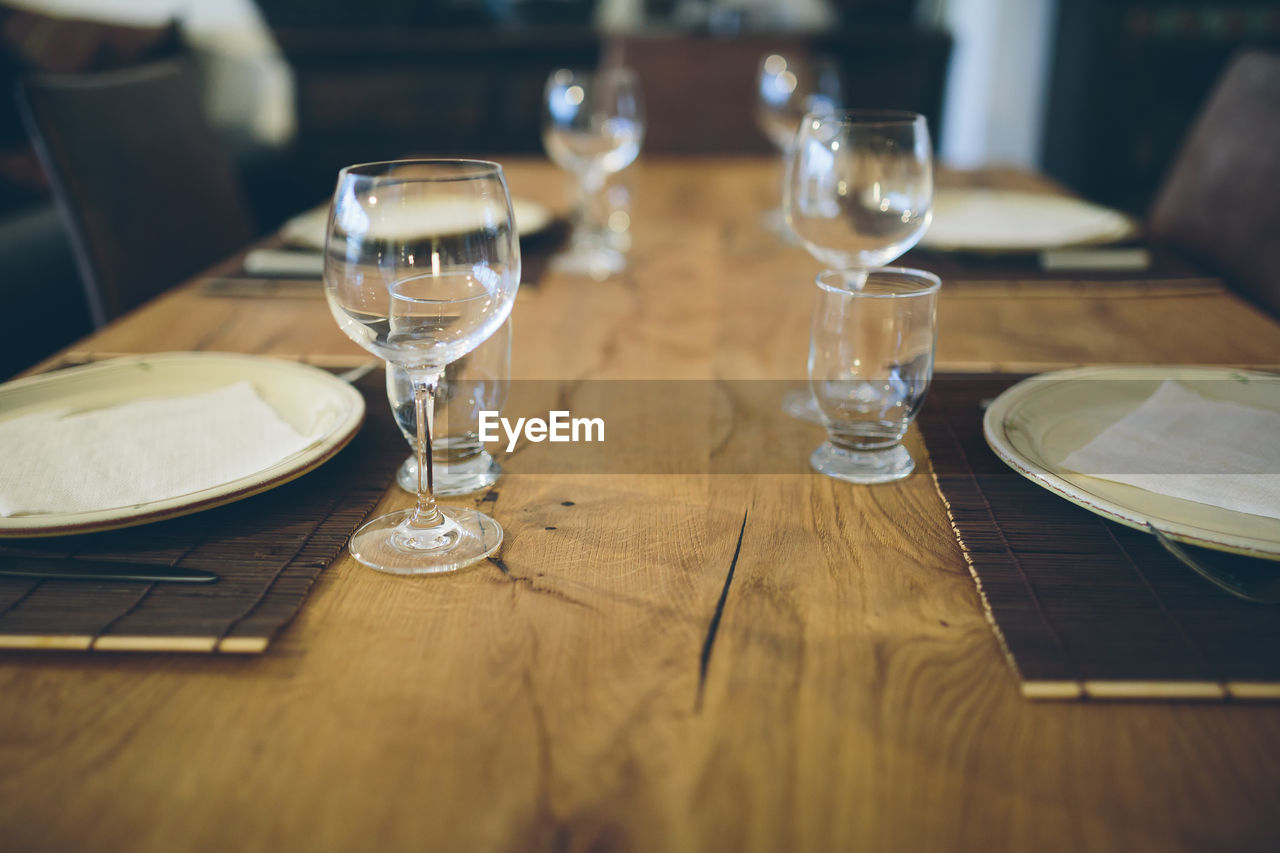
<point x="998" y="88"/>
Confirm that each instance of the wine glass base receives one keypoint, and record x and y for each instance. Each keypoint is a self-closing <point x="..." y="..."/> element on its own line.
<point x="597" y="262"/>
<point x="802" y="405"/>
<point x="862" y="466"/>
<point x="389" y="544"/>
<point x="452" y="478"/>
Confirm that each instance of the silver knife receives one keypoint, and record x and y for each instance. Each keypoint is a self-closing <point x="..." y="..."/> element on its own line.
<point x="98" y="570"/>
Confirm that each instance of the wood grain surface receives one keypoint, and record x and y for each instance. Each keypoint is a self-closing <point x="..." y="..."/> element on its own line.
<point x="655" y="662"/>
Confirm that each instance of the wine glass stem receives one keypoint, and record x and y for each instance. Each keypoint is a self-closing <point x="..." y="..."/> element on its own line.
<point x="856" y="277"/>
<point x="425" y="383"/>
<point x="591" y="214"/>
<point x="784" y="174"/>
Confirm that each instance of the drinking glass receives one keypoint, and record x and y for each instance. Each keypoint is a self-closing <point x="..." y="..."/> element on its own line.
<point x="475" y="383"/>
<point x="593" y="124"/>
<point x="870" y="363"/>
<point x="421" y="265"/>
<point x="859" y="193"/>
<point x="787" y="88"/>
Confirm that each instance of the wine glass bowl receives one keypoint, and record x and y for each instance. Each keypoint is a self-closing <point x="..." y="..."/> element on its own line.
<point x="593" y="126"/>
<point x="593" y="122"/>
<point x="788" y="87"/>
<point x="421" y="265"/>
<point x="859" y="189"/>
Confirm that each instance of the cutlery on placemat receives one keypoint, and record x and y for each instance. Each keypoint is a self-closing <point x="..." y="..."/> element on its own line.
<point x="1122" y="259"/>
<point x="286" y="263"/>
<point x="46" y="568"/>
<point x="1250" y="578"/>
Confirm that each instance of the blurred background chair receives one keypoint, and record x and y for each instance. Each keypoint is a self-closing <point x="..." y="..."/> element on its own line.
<point x="38" y="276"/>
<point x="146" y="191"/>
<point x="1220" y="202"/>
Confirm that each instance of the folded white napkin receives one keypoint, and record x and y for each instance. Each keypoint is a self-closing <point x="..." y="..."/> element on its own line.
<point x="978" y="219"/>
<point x="138" y="452"/>
<point x="1181" y="444"/>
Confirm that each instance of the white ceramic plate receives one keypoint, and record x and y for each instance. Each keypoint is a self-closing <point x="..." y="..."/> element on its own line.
<point x="1035" y="424"/>
<point x="307" y="230"/>
<point x="982" y="220"/>
<point x="312" y="401"/>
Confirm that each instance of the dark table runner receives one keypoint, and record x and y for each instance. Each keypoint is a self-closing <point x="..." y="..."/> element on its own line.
<point x="1085" y="607"/>
<point x="268" y="551"/>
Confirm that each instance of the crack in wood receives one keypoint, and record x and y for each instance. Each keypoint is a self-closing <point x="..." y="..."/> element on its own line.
<point x="714" y="626"/>
<point x="533" y="586"/>
<point x="542" y="743"/>
<point x="731" y="429"/>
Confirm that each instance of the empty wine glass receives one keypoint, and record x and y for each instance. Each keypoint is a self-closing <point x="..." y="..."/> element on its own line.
<point x="787" y="88"/>
<point x="421" y="265"/>
<point x="858" y="193"/>
<point x="593" y="124"/>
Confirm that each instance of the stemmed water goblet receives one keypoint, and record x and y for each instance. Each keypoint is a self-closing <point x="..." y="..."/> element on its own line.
<point x="858" y="193"/>
<point x="593" y="125"/>
<point x="421" y="265"/>
<point x="788" y="87"/>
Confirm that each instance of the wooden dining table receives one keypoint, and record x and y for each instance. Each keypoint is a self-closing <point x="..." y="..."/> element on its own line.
<point x="658" y="661"/>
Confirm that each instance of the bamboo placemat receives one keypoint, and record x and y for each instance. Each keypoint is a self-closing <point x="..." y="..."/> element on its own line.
<point x="1084" y="607"/>
<point x="268" y="551"/>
